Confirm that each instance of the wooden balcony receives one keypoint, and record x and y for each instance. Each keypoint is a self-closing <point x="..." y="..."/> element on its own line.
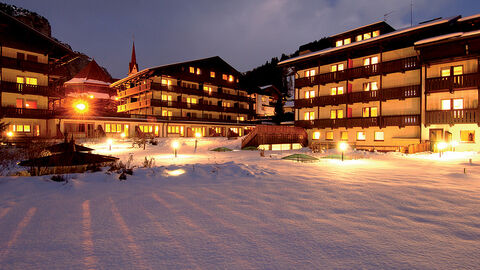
<point x="179" y="105"/>
<point x="149" y="86"/>
<point x="451" y="83"/>
<point x="400" y="65"/>
<point x="26" y="113"/>
<point x="22" y="88"/>
<point x="451" y="117"/>
<point x="363" y="122"/>
<point x="361" y="97"/>
<point x="180" y="118"/>
<point x="23" y="65"/>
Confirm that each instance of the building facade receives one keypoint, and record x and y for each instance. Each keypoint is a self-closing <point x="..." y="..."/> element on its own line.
<point x="378" y="88"/>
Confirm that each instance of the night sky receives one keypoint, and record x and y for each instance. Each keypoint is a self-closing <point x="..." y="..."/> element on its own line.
<point x="245" y="33"/>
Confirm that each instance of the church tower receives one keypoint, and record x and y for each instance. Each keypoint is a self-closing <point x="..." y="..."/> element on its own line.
<point x="133" y="66"/>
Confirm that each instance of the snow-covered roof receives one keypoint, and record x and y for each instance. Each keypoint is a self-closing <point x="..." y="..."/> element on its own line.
<point x="90" y="93"/>
<point x="469" y="18"/>
<point x="357" y="43"/>
<point x="85" y="80"/>
<point x="448" y="36"/>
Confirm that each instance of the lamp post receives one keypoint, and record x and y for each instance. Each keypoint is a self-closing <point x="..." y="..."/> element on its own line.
<point x="441" y="146"/>
<point x="175" y="146"/>
<point x="110" y="142"/>
<point x="454" y="144"/>
<point x="198" y="135"/>
<point x="343" y="147"/>
<point x="10" y="134"/>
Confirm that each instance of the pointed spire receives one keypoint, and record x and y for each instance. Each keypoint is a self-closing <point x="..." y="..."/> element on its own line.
<point x="133" y="66"/>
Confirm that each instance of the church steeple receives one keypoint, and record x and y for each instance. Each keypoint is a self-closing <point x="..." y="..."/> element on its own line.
<point x="133" y="66"/>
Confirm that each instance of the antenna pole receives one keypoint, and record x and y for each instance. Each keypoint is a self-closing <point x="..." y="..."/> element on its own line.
<point x="411" y="13"/>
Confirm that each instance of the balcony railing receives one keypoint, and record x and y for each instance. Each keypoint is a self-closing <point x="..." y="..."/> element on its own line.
<point x="23" y="65"/>
<point x="180" y="90"/>
<point x="26" y="113"/>
<point x="180" y="118"/>
<point x="179" y="105"/>
<point x="364" y="122"/>
<point x="451" y="83"/>
<point x="400" y="65"/>
<point x="361" y="97"/>
<point x="22" y="88"/>
<point x="451" y="117"/>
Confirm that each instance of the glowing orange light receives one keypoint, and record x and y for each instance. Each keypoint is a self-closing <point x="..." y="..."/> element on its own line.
<point x="10" y="134"/>
<point x="198" y="134"/>
<point x="116" y="98"/>
<point x="91" y="96"/>
<point x="80" y="106"/>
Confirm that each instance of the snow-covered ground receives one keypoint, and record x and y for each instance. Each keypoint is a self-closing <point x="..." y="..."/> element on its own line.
<point x="238" y="210"/>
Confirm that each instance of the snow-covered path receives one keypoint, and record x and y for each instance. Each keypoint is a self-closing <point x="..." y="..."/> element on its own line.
<point x="237" y="210"/>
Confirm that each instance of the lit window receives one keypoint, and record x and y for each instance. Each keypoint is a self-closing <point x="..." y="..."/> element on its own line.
<point x="467" y="136"/>
<point x="379" y="136"/>
<point x="340" y="90"/>
<point x="107" y="127"/>
<point x="32" y="104"/>
<point x="339" y="113"/>
<point x="339" y="43"/>
<point x="367" y="35"/>
<point x="230" y="78"/>
<point x="329" y="135"/>
<point x="376" y="33"/>
<point x="241" y="118"/>
<point x="198" y="71"/>
<point x="212" y="74"/>
<point x="370" y="112"/>
<point x="336" y="114"/>
<point x="31" y="81"/>
<point x="370" y="61"/>
<point x="310" y="94"/>
<point x="458" y="104"/>
<point x="208" y="89"/>
<point x="366" y="112"/>
<point x="309" y="116"/>
<point x="457" y="70"/>
<point x="225" y="77"/>
<point x="373" y="112"/>
<point x="445" y="72"/>
<point x="192" y="70"/>
<point x="446" y="104"/>
<point x="316" y="135"/>
<point x="191" y="100"/>
<point x="310" y="73"/>
<point x="21" y="80"/>
<point x="361" y="136"/>
<point x="166" y="98"/>
<point x="370" y="86"/>
<point x="347" y="41"/>
<point x="344" y="136"/>
<point x="19" y="103"/>
<point x="166" y="82"/>
<point x="337" y="67"/>
<point x="359" y="38"/>
<point x="167" y="113"/>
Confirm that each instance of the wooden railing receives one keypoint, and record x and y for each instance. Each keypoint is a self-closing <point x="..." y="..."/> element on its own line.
<point x="361" y="97"/>
<point x="400" y="65"/>
<point x="450" y="83"/>
<point x="181" y="118"/>
<point x="451" y="117"/>
<point x="23" y="65"/>
<point x="26" y="113"/>
<point x="180" y="105"/>
<point x="267" y="134"/>
<point x="365" y="122"/>
<point x="23" y="88"/>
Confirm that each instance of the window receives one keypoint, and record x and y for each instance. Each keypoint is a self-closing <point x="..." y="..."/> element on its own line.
<point x="21" y="128"/>
<point x="367" y="35"/>
<point x="166" y="82"/>
<point x="166" y="98"/>
<point x="198" y="71"/>
<point x="310" y="94"/>
<point x="467" y="136"/>
<point x="370" y="86"/>
<point x="225" y="77"/>
<point x="32" y="58"/>
<point x="370" y="112"/>
<point x="316" y="135"/>
<point x="192" y="70"/>
<point x="336" y="90"/>
<point x="175" y="130"/>
<point x="21" y="80"/>
<point x="361" y="136"/>
<point x="379" y="136"/>
<point x="208" y="89"/>
<point x="446" y="104"/>
<point x="329" y="135"/>
<point x="359" y="38"/>
<point x="191" y="100"/>
<point x="344" y="135"/>
<point x="339" y="43"/>
<point x="230" y="78"/>
<point x="370" y="61"/>
<point x="457" y="70"/>
<point x="116" y="128"/>
<point x="212" y="74"/>
<point x="448" y="71"/>
<point x="347" y="41"/>
<point x="310" y="73"/>
<point x="337" y="67"/>
<point x="456" y="102"/>
<point x="309" y="116"/>
<point x="336" y="114"/>
<point x="226" y="104"/>
<point x="19" y="103"/>
<point x="167" y="113"/>
<point x="376" y="33"/>
<point x="445" y="72"/>
<point x="241" y="118"/>
<point x="31" y="104"/>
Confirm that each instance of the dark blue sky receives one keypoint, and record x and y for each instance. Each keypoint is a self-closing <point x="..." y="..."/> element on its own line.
<point x="245" y="33"/>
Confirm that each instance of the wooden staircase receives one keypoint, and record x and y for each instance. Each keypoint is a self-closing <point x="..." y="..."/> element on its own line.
<point x="268" y="134"/>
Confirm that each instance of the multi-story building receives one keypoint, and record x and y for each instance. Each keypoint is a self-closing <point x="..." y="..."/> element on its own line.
<point x="368" y="87"/>
<point x="187" y="98"/>
<point x="26" y="58"/>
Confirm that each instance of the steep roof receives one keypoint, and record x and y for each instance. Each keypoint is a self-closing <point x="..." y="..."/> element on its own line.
<point x="133" y="61"/>
<point x="91" y="73"/>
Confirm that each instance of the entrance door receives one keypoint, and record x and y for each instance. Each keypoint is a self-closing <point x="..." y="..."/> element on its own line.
<point x="435" y="135"/>
<point x="90" y="130"/>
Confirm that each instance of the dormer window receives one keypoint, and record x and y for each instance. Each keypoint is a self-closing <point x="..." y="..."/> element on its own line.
<point x="376" y="33"/>
<point x="212" y="74"/>
<point x="192" y="70"/>
<point x="230" y="78"/>
<point x="225" y="77"/>
<point x="343" y="42"/>
<point x="198" y="71"/>
<point x="339" y="43"/>
<point x="367" y="36"/>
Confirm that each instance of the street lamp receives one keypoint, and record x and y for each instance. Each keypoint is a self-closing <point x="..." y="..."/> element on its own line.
<point x="110" y="142"/>
<point x="343" y="147"/>
<point x="454" y="144"/>
<point x="80" y="106"/>
<point x="198" y="135"/>
<point x="441" y="146"/>
<point x="10" y="134"/>
<point x="175" y="146"/>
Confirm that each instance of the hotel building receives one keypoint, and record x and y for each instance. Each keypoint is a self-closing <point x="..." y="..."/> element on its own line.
<point x="386" y="89"/>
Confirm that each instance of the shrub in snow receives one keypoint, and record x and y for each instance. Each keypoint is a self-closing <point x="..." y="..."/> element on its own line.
<point x="59" y="178"/>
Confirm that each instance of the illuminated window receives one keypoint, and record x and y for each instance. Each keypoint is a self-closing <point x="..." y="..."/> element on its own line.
<point x="344" y="135"/>
<point x="310" y="94"/>
<point x="230" y="78"/>
<point x="336" y="90"/>
<point x="457" y="70"/>
<point x="370" y="112"/>
<point x="107" y="128"/>
<point x="21" y="80"/>
<point x="347" y="41"/>
<point x="339" y="43"/>
<point x="337" y="67"/>
<point x="19" y="103"/>
<point x="316" y="135"/>
<point x="446" y="104"/>
<point x="191" y="100"/>
<point x="309" y="116"/>
<point x="31" y="104"/>
<point x="225" y="77"/>
<point x="367" y="35"/>
<point x="359" y="38"/>
<point x="379" y="136"/>
<point x="361" y="136"/>
<point x="212" y="74"/>
<point x="198" y="71"/>
<point x="336" y="114"/>
<point x="192" y="70"/>
<point x="207" y="89"/>
<point x="445" y="72"/>
<point x="241" y="118"/>
<point x="370" y="61"/>
<point x="310" y="73"/>
<point x="167" y="113"/>
<point x="166" y="98"/>
<point x="31" y="81"/>
<point x="166" y="82"/>
<point x="329" y="135"/>
<point x="458" y="104"/>
<point x="467" y="136"/>
<point x="370" y="86"/>
<point x="21" y="128"/>
<point x="376" y="33"/>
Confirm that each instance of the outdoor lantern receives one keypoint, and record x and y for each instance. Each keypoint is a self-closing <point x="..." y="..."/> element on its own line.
<point x="80" y="106"/>
<point x="123" y="135"/>
<point x="110" y="142"/>
<point x="343" y="147"/>
<point x="441" y="146"/>
<point x="197" y="136"/>
<point x="175" y="146"/>
<point x="10" y="134"/>
<point x="454" y="144"/>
